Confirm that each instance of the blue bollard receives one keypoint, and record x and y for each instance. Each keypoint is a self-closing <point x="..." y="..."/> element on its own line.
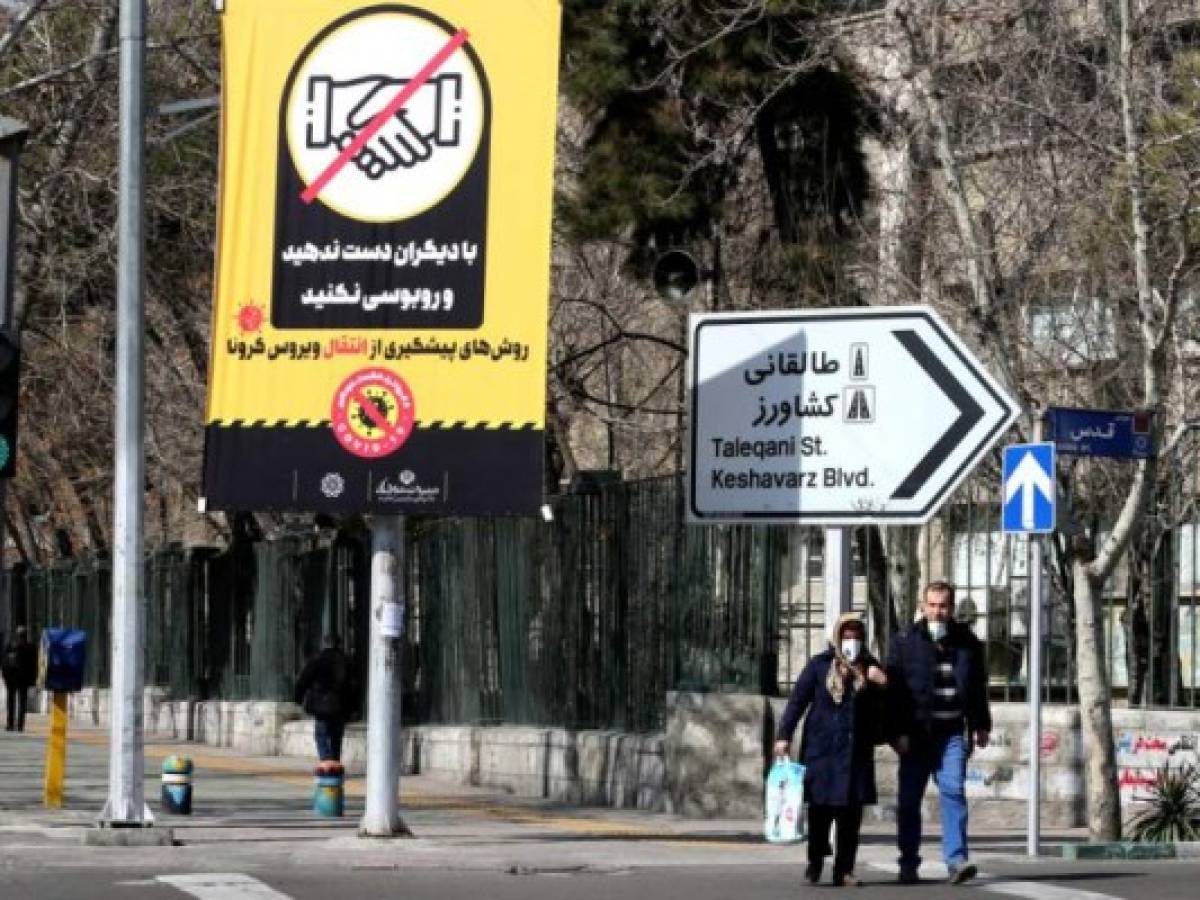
<point x="329" y="791"/>
<point x="177" y="785"/>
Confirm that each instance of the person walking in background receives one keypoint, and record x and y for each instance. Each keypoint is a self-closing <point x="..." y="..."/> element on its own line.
<point x="842" y="690"/>
<point x="324" y="689"/>
<point x="938" y="696"/>
<point x="18" y="664"/>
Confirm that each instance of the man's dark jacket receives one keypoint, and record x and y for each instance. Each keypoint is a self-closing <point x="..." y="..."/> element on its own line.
<point x="325" y="686"/>
<point x="911" y="667"/>
<point x="838" y="748"/>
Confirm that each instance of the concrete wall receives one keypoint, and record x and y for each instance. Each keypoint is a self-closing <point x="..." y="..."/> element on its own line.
<point x="597" y="768"/>
<point x="254" y="727"/>
<point x="717" y="747"/>
<point x="710" y="760"/>
<point x="591" y="768"/>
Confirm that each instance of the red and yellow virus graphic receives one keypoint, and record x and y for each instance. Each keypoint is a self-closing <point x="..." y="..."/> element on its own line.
<point x="373" y="413"/>
<point x="250" y="318"/>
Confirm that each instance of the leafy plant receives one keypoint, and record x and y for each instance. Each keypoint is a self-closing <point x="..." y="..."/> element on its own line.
<point x="1173" y="813"/>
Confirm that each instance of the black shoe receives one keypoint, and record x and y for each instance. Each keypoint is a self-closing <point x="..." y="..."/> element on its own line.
<point x="962" y="874"/>
<point x="909" y="876"/>
<point x="813" y="873"/>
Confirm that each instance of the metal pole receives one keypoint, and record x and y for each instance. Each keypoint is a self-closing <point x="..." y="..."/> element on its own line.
<point x="12" y="139"/>
<point x="1035" y="692"/>
<point x="839" y="580"/>
<point x="126" y="805"/>
<point x="1034" y="681"/>
<point x="381" y="818"/>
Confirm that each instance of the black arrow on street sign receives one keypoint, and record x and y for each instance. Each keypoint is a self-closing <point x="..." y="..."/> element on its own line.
<point x="969" y="414"/>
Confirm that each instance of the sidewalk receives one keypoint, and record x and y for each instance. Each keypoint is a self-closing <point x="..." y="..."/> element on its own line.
<point x="255" y="810"/>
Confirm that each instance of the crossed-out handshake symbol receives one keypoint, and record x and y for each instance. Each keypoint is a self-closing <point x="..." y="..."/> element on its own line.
<point x="338" y="110"/>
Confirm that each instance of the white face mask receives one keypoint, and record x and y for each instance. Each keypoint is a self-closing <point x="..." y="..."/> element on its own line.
<point x="937" y="630"/>
<point x="851" y="647"/>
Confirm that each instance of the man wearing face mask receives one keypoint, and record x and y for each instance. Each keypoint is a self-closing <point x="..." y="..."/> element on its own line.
<point x="842" y="691"/>
<point x="937" y="688"/>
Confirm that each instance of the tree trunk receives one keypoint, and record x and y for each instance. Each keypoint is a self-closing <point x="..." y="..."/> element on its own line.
<point x="898" y="185"/>
<point x="1095" y="710"/>
<point x="893" y="575"/>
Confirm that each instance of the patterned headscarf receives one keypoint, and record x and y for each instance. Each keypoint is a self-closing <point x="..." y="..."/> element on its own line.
<point x="841" y="668"/>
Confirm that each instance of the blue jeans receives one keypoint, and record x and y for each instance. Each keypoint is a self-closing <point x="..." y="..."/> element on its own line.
<point x="328" y="733"/>
<point x="944" y="758"/>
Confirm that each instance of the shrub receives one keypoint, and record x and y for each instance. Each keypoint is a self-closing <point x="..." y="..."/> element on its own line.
<point x="1173" y="813"/>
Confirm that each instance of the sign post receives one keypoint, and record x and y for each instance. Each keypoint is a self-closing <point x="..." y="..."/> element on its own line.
<point x="834" y="416"/>
<point x="1029" y="508"/>
<point x="62" y="655"/>
<point x="381" y="816"/>
<point x="56" y="752"/>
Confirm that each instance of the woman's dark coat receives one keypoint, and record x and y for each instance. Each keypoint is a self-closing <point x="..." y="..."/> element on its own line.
<point x="838" y="747"/>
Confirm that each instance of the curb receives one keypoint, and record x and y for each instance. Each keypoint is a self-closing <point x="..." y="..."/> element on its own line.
<point x="1128" y="850"/>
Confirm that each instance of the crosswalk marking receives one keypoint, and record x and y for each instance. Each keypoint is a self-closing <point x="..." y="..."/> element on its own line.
<point x="1036" y="890"/>
<point x="222" y="886"/>
<point x="1032" y="890"/>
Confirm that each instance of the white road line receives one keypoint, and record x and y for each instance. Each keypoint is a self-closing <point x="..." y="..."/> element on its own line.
<point x="1036" y="890"/>
<point x="929" y="871"/>
<point x="222" y="886"/>
<point x="1032" y="890"/>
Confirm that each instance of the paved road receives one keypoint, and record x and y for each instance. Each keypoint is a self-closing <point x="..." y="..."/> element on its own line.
<point x="1162" y="881"/>
<point x="254" y="836"/>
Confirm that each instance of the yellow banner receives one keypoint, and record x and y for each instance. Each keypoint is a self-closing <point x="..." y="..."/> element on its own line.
<point x="379" y="328"/>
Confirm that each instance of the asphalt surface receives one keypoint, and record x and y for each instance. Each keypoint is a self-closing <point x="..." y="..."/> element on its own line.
<point x="253" y="835"/>
<point x="1161" y="880"/>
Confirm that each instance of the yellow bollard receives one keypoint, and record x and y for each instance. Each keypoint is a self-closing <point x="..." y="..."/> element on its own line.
<point x="56" y="752"/>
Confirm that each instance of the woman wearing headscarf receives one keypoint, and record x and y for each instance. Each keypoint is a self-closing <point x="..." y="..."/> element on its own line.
<point x="841" y="689"/>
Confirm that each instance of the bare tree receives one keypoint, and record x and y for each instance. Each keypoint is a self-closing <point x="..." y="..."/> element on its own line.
<point x="1060" y="172"/>
<point x="58" y="73"/>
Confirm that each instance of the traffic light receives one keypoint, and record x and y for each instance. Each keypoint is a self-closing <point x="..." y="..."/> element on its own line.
<point x="10" y="384"/>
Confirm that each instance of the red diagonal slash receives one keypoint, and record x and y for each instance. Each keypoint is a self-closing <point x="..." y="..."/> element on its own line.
<point x="313" y="191"/>
<point x="379" y="419"/>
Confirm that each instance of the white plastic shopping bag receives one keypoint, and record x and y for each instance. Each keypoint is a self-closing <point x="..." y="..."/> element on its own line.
<point x="785" y="802"/>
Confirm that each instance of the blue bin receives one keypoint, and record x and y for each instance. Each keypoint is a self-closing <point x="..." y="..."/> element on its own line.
<point x="62" y="660"/>
<point x="329" y="790"/>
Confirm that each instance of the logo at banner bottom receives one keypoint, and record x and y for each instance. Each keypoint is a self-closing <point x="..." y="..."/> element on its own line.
<point x="373" y="413"/>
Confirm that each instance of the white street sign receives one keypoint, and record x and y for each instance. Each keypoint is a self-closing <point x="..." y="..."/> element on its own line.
<point x="834" y="416"/>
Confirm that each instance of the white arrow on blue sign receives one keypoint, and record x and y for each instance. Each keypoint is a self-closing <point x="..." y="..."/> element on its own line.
<point x="1029" y="495"/>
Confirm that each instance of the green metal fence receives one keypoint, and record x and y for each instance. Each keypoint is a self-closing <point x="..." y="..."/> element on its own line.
<point x="589" y="619"/>
<point x="233" y="625"/>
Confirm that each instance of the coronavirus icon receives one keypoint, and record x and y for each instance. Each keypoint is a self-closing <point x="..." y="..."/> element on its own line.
<point x="250" y="318"/>
<point x="373" y="413"/>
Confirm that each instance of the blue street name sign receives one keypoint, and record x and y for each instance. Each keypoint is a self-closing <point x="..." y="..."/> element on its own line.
<point x="1100" y="432"/>
<point x="1028" y="489"/>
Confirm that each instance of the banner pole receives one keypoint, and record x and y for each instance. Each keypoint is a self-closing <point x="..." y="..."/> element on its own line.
<point x="381" y="818"/>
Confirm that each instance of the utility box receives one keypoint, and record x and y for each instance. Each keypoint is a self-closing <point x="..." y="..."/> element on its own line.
<point x="62" y="660"/>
